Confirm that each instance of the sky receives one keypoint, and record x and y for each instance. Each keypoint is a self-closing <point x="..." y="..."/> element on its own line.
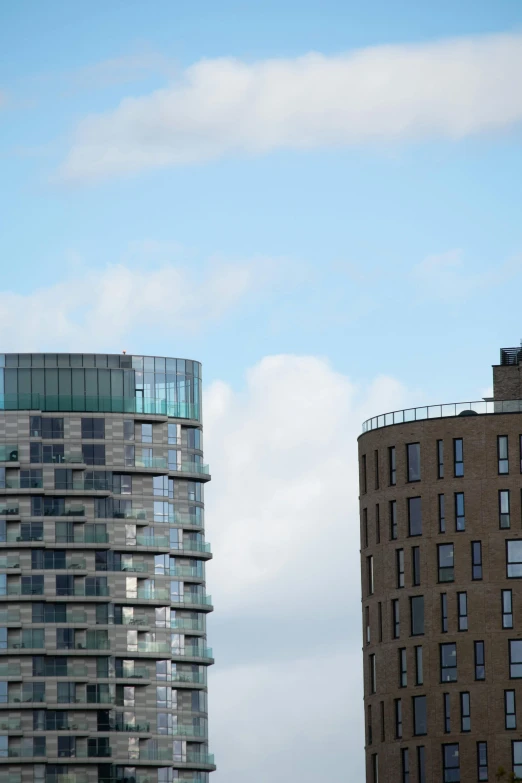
<point x="321" y="203"/>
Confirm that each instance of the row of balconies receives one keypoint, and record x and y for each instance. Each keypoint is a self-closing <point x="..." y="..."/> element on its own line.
<point x="143" y="754"/>
<point x="155" y="595"/>
<point x="139" y="514"/>
<point x="11" y="562"/>
<point x="83" y="777"/>
<point x="136" y="673"/>
<point x="14" y="725"/>
<point x="12" y="617"/>
<point x="101" y="537"/>
<point x="163" y="648"/>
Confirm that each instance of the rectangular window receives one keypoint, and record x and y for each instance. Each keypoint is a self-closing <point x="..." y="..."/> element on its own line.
<point x="420" y="718"/>
<point x="413" y="461"/>
<point x="476" y="560"/>
<point x="507" y="609"/>
<point x="451" y="763"/>
<point x="398" y="718"/>
<point x="460" y="517"/>
<point x="128" y="429"/>
<point x="503" y="508"/>
<point x="514" y="559"/>
<point x="377" y="524"/>
<point x="458" y="456"/>
<point x="482" y="760"/>
<point x="515" y="659"/>
<point x="383" y="724"/>
<point x="403" y="668"/>
<point x="375" y="768"/>
<point x="414" y="517"/>
<point x="448" y="662"/>
<point x="516" y="747"/>
<point x="419" y="668"/>
<point x="93" y="453"/>
<point x="444" y="613"/>
<point x="415" y="566"/>
<point x="373" y="673"/>
<point x="510" y="710"/>
<point x="393" y="519"/>
<point x="376" y="468"/>
<point x="93" y="429"/>
<point x="367" y="623"/>
<point x="392" y="466"/>
<point x="442" y="515"/>
<point x="369" y="572"/>
<point x="421" y="764"/>
<point x="502" y="451"/>
<point x="417" y="615"/>
<point x="480" y="661"/>
<point x="446" y="701"/>
<point x="405" y="765"/>
<point x="369" y="729"/>
<point x="379" y="619"/>
<point x="440" y="459"/>
<point x="399" y="557"/>
<point x="465" y="711"/>
<point x="365" y="526"/>
<point x="396" y="626"/>
<point x="445" y="555"/>
<point x="363" y="475"/>
<point x="462" y="607"/>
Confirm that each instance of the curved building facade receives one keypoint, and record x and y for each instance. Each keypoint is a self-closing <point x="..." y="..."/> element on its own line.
<point x="441" y="562"/>
<point x="103" y="607"/>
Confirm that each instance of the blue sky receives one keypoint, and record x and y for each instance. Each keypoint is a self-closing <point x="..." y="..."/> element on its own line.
<point x="181" y="179"/>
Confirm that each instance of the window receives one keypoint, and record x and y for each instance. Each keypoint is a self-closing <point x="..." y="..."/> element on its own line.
<point x="507" y="609"/>
<point x="482" y="760"/>
<point x="415" y="565"/>
<point x="377" y="524"/>
<point x="462" y="607"/>
<point x="448" y="662"/>
<point x="515" y="659"/>
<point x="379" y="619"/>
<point x="367" y="623"/>
<point x="383" y="724"/>
<point x="369" y="573"/>
<point x="398" y="718"/>
<point x="516" y="747"/>
<point x="414" y="517"/>
<point x="413" y="461"/>
<point x="421" y="764"/>
<point x="146" y="433"/>
<point x="503" y="508"/>
<point x="510" y="710"/>
<point x="365" y="526"/>
<point x="405" y="765"/>
<point x="46" y="427"/>
<point x="514" y="559"/>
<point x="460" y="518"/>
<point x="444" y="613"/>
<point x="451" y="763"/>
<point x="419" y="671"/>
<point x="480" y="663"/>
<point x="93" y="454"/>
<point x="363" y="474"/>
<point x="446" y="702"/>
<point x="440" y="459"/>
<point x="420" y="720"/>
<point x="403" y="671"/>
<point x="393" y="520"/>
<point x="446" y="562"/>
<point x="93" y="429"/>
<point x="417" y="615"/>
<point x="399" y="556"/>
<point x="376" y="468"/>
<point x="476" y="560"/>
<point x="393" y="465"/>
<point x="502" y="451"/>
<point x="458" y="456"/>
<point x="396" y="626"/>
<point x="442" y="515"/>
<point x="128" y="429"/>
<point x="369" y="729"/>
<point x="375" y="768"/>
<point x="373" y="674"/>
<point x="465" y="711"/>
<point x="193" y="436"/>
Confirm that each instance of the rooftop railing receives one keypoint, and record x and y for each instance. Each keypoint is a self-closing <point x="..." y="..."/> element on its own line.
<point x="424" y="412"/>
<point x="99" y="404"/>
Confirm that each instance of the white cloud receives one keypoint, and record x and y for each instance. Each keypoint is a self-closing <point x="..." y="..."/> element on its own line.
<point x="282" y="518"/>
<point x="108" y="306"/>
<point x="450" y="89"/>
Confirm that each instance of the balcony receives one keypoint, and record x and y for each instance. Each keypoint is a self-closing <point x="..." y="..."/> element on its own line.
<point x="9" y="669"/>
<point x="195" y="651"/>
<point x="74" y="510"/>
<point x="76" y="670"/>
<point x="90" y="485"/>
<point x="159" y="541"/>
<point x="133" y="568"/>
<point x="192" y="599"/>
<point x="73" y="563"/>
<point x="186" y="571"/>
<point x="187" y="730"/>
<point x="91" y="591"/>
<point x="9" y="509"/>
<point x="194" y="467"/>
<point x="71" y="725"/>
<point x="21" y="483"/>
<point x="10" y="724"/>
<point x="71" y="777"/>
<point x="19" y="697"/>
<point x="150" y="594"/>
<point x="11" y="561"/>
<point x="150" y="462"/>
<point x="23" y="753"/>
<point x="140" y="619"/>
<point x="16" y="536"/>
<point x="138" y="673"/>
<point x="76" y="617"/>
<point x="100" y="644"/>
<point x="83" y="538"/>
<point x="9" y="616"/>
<point x="194" y="678"/>
<point x="187" y="624"/>
<point x="194" y="546"/>
<point x="8" y="452"/>
<point x="150" y="647"/>
<point x="130" y="727"/>
<point x="187" y="520"/>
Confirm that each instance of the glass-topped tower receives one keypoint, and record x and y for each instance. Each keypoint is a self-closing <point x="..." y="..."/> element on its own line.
<point x="103" y="646"/>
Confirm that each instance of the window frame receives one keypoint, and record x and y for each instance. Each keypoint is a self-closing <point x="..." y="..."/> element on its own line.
<point x="440" y="459"/>
<point x="415" y="566"/>
<point x="458" y="464"/>
<point x="465" y="712"/>
<point x="409" y="502"/>
<point x="415" y="701"/>
<point x="510" y="710"/>
<point x="448" y="771"/>
<point x="399" y="564"/>
<point x="405" y="765"/>
<point x="396" y="618"/>
<point x="516" y="563"/>
<point x="513" y="663"/>
<point x="442" y="513"/>
<point x="479" y="645"/>
<point x="460" y="519"/>
<point x="506" y="599"/>
<point x="476" y="563"/>
<point x="462" y="611"/>
<point x="414" y="601"/>
<point x="446" y="712"/>
<point x="410" y="463"/>
<point x="482" y="765"/>
<point x="403" y="667"/>
<point x="502" y="461"/>
<point x="397" y="711"/>
<point x="419" y="665"/>
<point x="392" y="466"/>
<point x="445" y="570"/>
<point x="442" y="647"/>
<point x="504" y="501"/>
<point x="394" y="528"/>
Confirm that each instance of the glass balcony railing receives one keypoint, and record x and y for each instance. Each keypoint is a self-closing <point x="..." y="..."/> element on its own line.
<point x="198" y="599"/>
<point x="9" y="509"/>
<point x="152" y="754"/>
<point x="99" y="404"/>
<point x="11" y="561"/>
<point x="10" y="724"/>
<point x="90" y="753"/>
<point x="76" y="670"/>
<point x="150" y="594"/>
<point x="200" y="758"/>
<point x="139" y="568"/>
<point x="150" y="462"/>
<point x="187" y="571"/>
<point x="11" y="777"/>
<point x="187" y="730"/>
<point x="194" y="546"/>
<point x="24" y="753"/>
<point x="161" y="541"/>
<point x="153" y="647"/>
<point x="188" y="520"/>
<point x="137" y="673"/>
<point x="144" y="727"/>
<point x="98" y="537"/>
<point x="71" y="725"/>
<point x="98" y="485"/>
<point x="77" y="617"/>
<point x="194" y="467"/>
<point x="193" y="651"/>
<point x="137" y="619"/>
<point x="9" y="669"/>
<point x="9" y="616"/>
<point x="21" y="483"/>
<point x="8" y="452"/>
<point x="83" y="590"/>
<point x="196" y="678"/>
<point x="71" y="777"/>
<point x="19" y="697"/>
<point x="74" y="510"/>
<point x="187" y="624"/>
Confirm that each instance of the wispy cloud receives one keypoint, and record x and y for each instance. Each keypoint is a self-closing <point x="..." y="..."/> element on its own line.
<point x="448" y="89"/>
